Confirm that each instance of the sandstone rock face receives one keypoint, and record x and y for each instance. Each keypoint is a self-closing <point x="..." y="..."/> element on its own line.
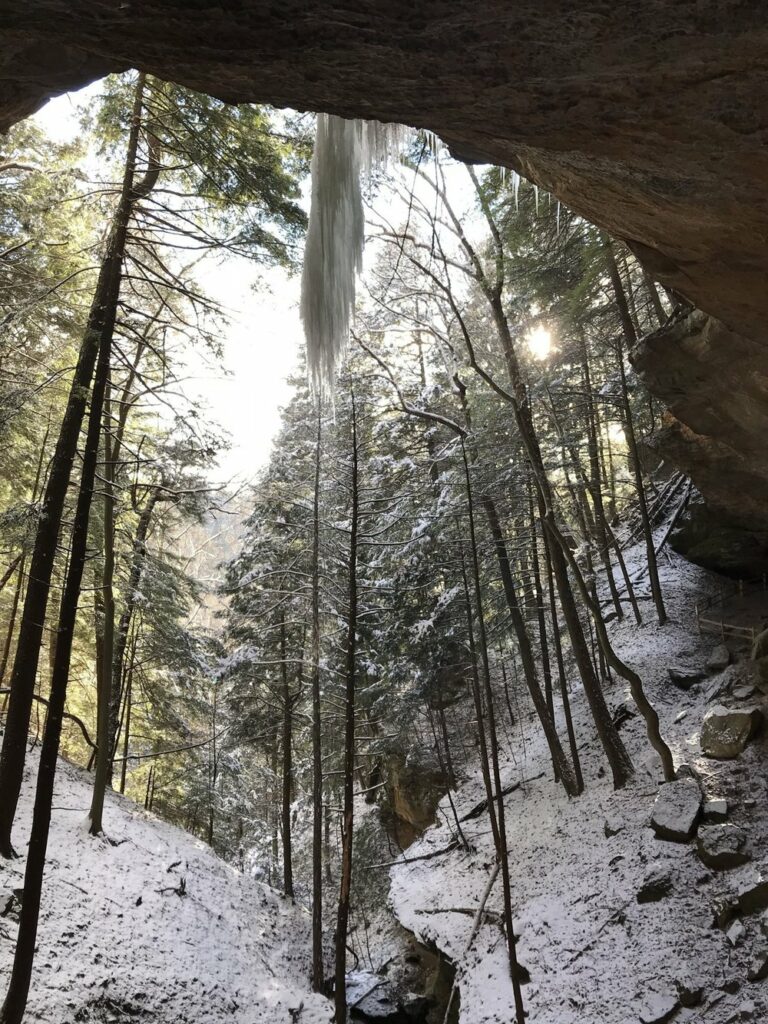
<point x="715" y="384"/>
<point x="725" y="732"/>
<point x="649" y="119"/>
<point x="676" y="810"/>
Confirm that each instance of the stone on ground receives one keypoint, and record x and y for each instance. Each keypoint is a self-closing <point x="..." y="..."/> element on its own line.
<point x="736" y="933"/>
<point x="690" y="991"/>
<point x="725" y="732"/>
<point x="685" y="676"/>
<point x="715" y="810"/>
<point x="745" y="691"/>
<point x="658" y="1009"/>
<point x="676" y="810"/>
<point x="752" y="889"/>
<point x="722" y="846"/>
<point x="758" y="967"/>
<point x="655" y="886"/>
<point x="719" y="659"/>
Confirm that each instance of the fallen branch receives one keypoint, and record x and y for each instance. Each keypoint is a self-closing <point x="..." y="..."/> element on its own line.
<point x="453" y="845"/>
<point x="493" y="916"/>
<point x="615" y="918"/>
<point x="478" y="809"/>
<point x="475" y="929"/>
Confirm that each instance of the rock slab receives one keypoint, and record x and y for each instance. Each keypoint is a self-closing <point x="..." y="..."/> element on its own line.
<point x="676" y="810"/>
<point x="725" y="732"/>
<point x="722" y="846"/>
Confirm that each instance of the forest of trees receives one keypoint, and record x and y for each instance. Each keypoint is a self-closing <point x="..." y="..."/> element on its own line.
<point x="433" y="549"/>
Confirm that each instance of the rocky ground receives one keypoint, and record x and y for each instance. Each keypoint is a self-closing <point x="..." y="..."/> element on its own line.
<point x="632" y="907"/>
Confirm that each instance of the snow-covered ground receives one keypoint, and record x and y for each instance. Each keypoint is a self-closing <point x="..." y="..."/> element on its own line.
<point x="596" y="955"/>
<point x="118" y="942"/>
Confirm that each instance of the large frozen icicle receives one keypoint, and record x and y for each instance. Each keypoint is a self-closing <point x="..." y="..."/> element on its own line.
<point x="344" y="151"/>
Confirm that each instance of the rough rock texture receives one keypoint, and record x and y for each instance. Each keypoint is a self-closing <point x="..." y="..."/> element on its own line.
<point x="685" y="676"/>
<point x="655" y="886"/>
<point x="751" y="889"/>
<point x="413" y="792"/>
<point x="676" y="810"/>
<point x="722" y="846"/>
<point x="725" y="732"/>
<point x="715" y="384"/>
<point x="715" y="810"/>
<point x="648" y="118"/>
<point x="719" y="659"/>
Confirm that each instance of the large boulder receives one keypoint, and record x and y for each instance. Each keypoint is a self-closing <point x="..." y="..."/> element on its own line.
<point x="725" y="732"/>
<point x="722" y="846"/>
<point x="676" y="810"/>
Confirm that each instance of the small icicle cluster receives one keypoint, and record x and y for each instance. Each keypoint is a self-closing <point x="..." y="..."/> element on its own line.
<point x="345" y="152"/>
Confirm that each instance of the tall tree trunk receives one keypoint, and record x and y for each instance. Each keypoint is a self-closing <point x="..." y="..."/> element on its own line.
<point x="560" y="763"/>
<point x="501" y="849"/>
<point x="564" y="695"/>
<point x="103" y="751"/>
<point x="99" y="329"/>
<point x="596" y="489"/>
<point x="342" y="917"/>
<point x="287" y="764"/>
<point x="128" y="709"/>
<point x="317" y="751"/>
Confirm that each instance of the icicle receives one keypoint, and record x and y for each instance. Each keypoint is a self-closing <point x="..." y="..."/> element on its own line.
<point x="558" y="216"/>
<point x="516" y="188"/>
<point x="536" y="198"/>
<point x="344" y="151"/>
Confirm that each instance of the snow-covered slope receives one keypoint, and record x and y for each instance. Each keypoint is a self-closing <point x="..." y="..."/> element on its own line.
<point x="596" y="955"/>
<point x="119" y="942"/>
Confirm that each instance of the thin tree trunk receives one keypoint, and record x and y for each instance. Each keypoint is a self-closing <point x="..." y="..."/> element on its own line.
<point x="595" y="473"/>
<point x="128" y="708"/>
<point x="317" y="752"/>
<point x="103" y="751"/>
<point x="342" y="917"/>
<point x="629" y="334"/>
<point x="502" y="852"/>
<point x="564" y="695"/>
<point x="287" y="764"/>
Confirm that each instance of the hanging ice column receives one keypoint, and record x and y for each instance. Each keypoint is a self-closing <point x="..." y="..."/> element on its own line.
<point x="333" y="257"/>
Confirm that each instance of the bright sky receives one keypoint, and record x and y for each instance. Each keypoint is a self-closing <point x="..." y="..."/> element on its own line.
<point x="245" y="391"/>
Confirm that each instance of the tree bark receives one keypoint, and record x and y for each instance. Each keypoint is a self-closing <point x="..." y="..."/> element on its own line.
<point x="342" y="917"/>
<point x="287" y="764"/>
<point x="317" y="751"/>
